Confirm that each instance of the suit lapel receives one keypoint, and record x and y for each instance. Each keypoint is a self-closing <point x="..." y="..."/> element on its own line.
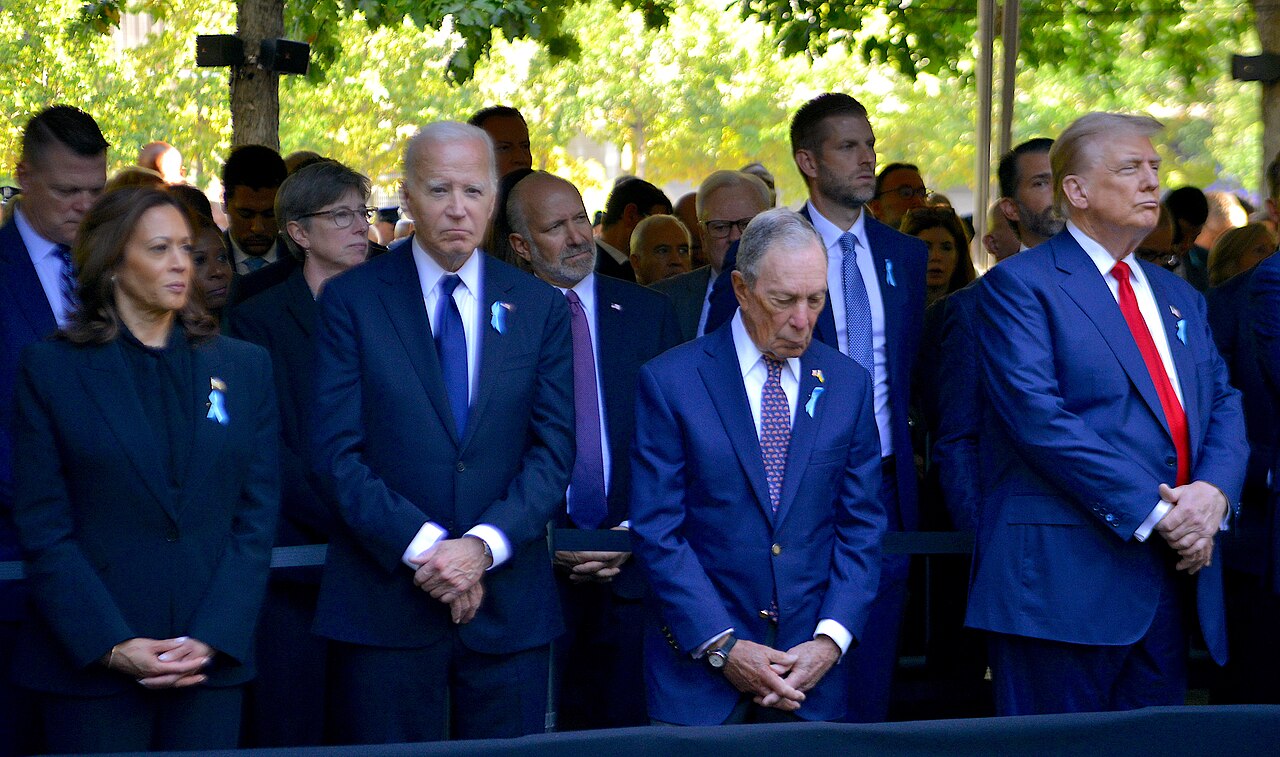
<point x="724" y="384"/>
<point x="1183" y="360"/>
<point x="889" y="266"/>
<point x="493" y="344"/>
<point x="25" y="288"/>
<point x="402" y="299"/>
<point x="209" y="435"/>
<point x="106" y="381"/>
<point x="803" y="434"/>
<point x="299" y="302"/>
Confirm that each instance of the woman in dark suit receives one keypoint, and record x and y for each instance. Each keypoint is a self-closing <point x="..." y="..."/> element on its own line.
<point x="146" y="490"/>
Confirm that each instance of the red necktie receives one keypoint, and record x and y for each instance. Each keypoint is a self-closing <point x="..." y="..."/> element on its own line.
<point x="1173" y="412"/>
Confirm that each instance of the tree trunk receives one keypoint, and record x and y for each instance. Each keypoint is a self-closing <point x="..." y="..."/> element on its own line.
<point x="1267" y="19"/>
<point x="255" y="93"/>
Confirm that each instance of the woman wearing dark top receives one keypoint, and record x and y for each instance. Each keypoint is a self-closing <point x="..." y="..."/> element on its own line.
<point x="145" y="497"/>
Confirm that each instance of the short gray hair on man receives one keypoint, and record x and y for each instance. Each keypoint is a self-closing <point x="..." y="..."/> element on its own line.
<point x="770" y="229"/>
<point x="1076" y="149"/>
<point x="445" y="132"/>
<point x="310" y="188"/>
<point x="731" y="180"/>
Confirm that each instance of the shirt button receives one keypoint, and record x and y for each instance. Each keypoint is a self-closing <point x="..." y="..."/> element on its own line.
<point x="461" y="466"/>
<point x="776" y="549"/>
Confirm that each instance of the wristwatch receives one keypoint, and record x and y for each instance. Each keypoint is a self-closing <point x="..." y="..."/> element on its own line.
<point x="487" y="551"/>
<point x="718" y="657"/>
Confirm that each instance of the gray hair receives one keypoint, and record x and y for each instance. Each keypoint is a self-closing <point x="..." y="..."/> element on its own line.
<point x="445" y="132"/>
<point x="732" y="180"/>
<point x="1076" y="149"/>
<point x="310" y="188"/>
<point x="773" y="228"/>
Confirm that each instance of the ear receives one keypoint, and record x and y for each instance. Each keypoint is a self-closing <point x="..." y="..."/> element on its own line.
<point x="807" y="162"/>
<point x="520" y="246"/>
<point x="740" y="288"/>
<point x="23" y="175"/>
<point x="298" y="234"/>
<point x="635" y="259"/>
<point x="631" y="215"/>
<point x="1009" y="209"/>
<point x="989" y="244"/>
<point x="1271" y="209"/>
<point x="1076" y="190"/>
<point x="404" y="200"/>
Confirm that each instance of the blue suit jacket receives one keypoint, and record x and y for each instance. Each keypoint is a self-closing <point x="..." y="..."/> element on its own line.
<point x="388" y="455"/>
<point x="715" y="554"/>
<point x="687" y="292"/>
<point x="25" y="317"/>
<point x="1080" y="446"/>
<point x="958" y="412"/>
<point x="1265" y="318"/>
<point x="112" y="552"/>
<point x="903" y="294"/>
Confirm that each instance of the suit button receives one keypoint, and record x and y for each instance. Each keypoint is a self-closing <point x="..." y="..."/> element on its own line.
<point x="461" y="466"/>
<point x="1111" y="518"/>
<point x="776" y="549"/>
<point x="171" y="535"/>
<point x="1171" y="461"/>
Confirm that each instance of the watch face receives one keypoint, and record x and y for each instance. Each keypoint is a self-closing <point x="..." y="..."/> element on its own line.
<point x="716" y="659"/>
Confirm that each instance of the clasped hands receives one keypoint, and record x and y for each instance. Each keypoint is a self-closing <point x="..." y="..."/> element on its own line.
<point x="780" y="679"/>
<point x="1192" y="522"/>
<point x="161" y="663"/>
<point x="591" y="567"/>
<point x="451" y="571"/>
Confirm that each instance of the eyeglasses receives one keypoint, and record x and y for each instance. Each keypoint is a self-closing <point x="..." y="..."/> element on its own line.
<point x="719" y="229"/>
<point x="906" y="192"/>
<point x="342" y="217"/>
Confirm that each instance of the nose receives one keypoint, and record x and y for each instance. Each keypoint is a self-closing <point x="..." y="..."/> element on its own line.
<point x="734" y="233"/>
<point x="454" y="207"/>
<point x="1150" y="177"/>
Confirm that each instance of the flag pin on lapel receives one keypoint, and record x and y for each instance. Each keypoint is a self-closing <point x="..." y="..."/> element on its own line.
<point x="616" y="306"/>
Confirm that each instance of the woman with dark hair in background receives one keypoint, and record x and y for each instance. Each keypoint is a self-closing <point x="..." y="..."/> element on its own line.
<point x="145" y="497"/>
<point x="950" y="267"/>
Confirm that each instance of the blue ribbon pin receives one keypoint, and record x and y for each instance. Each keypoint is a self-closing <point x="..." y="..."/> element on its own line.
<point x="888" y="273"/>
<point x="498" y="316"/>
<point x="1181" y="326"/>
<point x="218" y="401"/>
<point x="812" y="405"/>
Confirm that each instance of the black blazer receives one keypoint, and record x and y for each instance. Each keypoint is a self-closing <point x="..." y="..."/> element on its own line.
<point x="112" y="553"/>
<point x="606" y="265"/>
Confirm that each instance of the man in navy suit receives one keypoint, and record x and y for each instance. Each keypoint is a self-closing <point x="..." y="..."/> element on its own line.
<point x="755" y="505"/>
<point x="874" y="313"/>
<point x="61" y="171"/>
<point x="1118" y="448"/>
<point x="442" y="429"/>
<point x="617" y="326"/>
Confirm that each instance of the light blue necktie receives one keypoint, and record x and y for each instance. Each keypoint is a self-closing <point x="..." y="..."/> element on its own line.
<point x="857" y="308"/>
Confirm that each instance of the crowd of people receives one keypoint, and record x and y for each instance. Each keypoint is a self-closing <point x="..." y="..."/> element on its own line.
<point x="754" y="396"/>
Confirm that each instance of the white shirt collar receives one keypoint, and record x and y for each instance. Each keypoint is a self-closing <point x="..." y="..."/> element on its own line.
<point x="749" y="355"/>
<point x="831" y="233"/>
<point x="37" y="246"/>
<point x="586" y="291"/>
<point x="618" y="256"/>
<point x="1099" y="255"/>
<point x="430" y="272"/>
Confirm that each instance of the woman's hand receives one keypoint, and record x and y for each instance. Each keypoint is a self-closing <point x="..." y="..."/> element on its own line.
<point x="161" y="663"/>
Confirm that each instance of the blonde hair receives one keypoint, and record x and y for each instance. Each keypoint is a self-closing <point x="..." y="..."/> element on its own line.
<point x="1076" y="149"/>
<point x="1224" y="258"/>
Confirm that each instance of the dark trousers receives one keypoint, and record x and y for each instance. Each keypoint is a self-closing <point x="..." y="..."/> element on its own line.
<point x="599" y="661"/>
<point x="1038" y="676"/>
<point x="285" y="704"/>
<point x="19" y="724"/>
<point x="1252" y="675"/>
<point x="381" y="695"/>
<point x="140" y="720"/>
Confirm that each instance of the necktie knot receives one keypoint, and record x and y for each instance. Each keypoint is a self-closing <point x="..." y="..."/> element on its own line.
<point x="774" y="366"/>
<point x="572" y="297"/>
<point x="1121" y="271"/>
<point x="848" y="242"/>
<point x="449" y="283"/>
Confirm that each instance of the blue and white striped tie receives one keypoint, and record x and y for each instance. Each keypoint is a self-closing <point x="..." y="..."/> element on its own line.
<point x="857" y="308"/>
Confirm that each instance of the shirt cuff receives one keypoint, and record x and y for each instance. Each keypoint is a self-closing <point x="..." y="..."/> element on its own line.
<point x="706" y="645"/>
<point x="1162" y="509"/>
<point x="837" y="632"/>
<point x="498" y="544"/>
<point x="427" y="538"/>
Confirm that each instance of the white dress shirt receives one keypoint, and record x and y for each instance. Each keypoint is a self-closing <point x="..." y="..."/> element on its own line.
<point x="468" y="296"/>
<point x="48" y="262"/>
<point x="586" y="291"/>
<point x="239" y="256"/>
<point x="831" y="234"/>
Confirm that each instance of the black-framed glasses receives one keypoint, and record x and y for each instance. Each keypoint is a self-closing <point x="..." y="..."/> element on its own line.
<point x="720" y="229"/>
<point x="906" y="192"/>
<point x="342" y="217"/>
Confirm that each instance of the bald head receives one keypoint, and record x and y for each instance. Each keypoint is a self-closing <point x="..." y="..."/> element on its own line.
<point x="659" y="249"/>
<point x="550" y="229"/>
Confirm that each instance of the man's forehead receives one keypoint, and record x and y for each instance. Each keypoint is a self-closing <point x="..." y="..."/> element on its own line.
<point x="903" y="176"/>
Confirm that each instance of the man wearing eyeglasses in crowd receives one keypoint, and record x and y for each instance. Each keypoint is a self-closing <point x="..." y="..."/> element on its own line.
<point x="726" y="202"/>
<point x="899" y="188"/>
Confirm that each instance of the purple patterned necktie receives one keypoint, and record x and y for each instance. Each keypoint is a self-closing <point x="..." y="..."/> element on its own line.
<point x="587" y="505"/>
<point x="775" y="430"/>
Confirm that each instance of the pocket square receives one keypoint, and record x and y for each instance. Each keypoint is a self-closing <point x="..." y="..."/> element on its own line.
<point x="811" y="406"/>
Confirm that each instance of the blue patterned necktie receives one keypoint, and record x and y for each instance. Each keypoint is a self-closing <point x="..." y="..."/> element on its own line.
<point x="857" y="308"/>
<point x="254" y="263"/>
<point x="775" y="430"/>
<point x="451" y="348"/>
<point x="588" y="504"/>
<point x="67" y="280"/>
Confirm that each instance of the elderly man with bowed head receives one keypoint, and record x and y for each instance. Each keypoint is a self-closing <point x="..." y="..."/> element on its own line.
<point x="1117" y="448"/>
<point x="442" y="431"/>
<point x="755" y="504"/>
<point x="147" y="496"/>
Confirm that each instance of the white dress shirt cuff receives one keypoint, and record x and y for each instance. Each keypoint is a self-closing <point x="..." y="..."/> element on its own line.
<point x="706" y="645"/>
<point x="837" y="632"/>
<point x="1162" y="509"/>
<point x="427" y="537"/>
<point x="498" y="543"/>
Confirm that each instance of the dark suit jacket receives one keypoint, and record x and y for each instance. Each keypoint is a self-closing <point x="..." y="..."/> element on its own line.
<point x="1080" y="446"/>
<point x="605" y="264"/>
<point x="252" y="284"/>
<point x="714" y="552"/>
<point x="688" y="292"/>
<point x="25" y="317"/>
<point x="958" y="410"/>
<point x="282" y="319"/>
<point x="1264" y="311"/>
<point x="112" y="553"/>
<point x="903" y="294"/>
<point x="388" y="455"/>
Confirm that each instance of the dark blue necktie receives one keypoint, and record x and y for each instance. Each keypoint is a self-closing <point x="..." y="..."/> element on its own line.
<point x="588" y="505"/>
<point x="67" y="281"/>
<point x="451" y="348"/>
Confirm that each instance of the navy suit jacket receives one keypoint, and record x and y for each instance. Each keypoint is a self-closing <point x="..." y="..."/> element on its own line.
<point x="714" y="552"/>
<point x="112" y="552"/>
<point x="388" y="455"/>
<point x="1080" y="446"/>
<point x="25" y="317"/>
<point x="283" y="320"/>
<point x="605" y="264"/>
<point x="957" y="456"/>
<point x="900" y="267"/>
<point x="688" y="292"/>
<point x="1265" y="318"/>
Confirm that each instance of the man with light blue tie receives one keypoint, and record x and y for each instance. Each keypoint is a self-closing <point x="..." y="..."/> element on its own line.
<point x="61" y="171"/>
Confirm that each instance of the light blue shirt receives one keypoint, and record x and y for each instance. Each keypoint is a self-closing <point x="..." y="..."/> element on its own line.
<point x="48" y="263"/>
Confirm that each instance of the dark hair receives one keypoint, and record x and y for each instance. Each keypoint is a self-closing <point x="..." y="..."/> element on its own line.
<point x="252" y="166"/>
<point x="636" y="192"/>
<point x="917" y="220"/>
<point x="64" y="125"/>
<point x="1007" y="168"/>
<point x="1273" y="177"/>
<point x="197" y="203"/>
<point x="884" y="173"/>
<point x="494" y="111"/>
<point x="1187" y="204"/>
<point x="508" y="219"/>
<point x="99" y="252"/>
<point x="312" y="187"/>
<point x="806" y="125"/>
